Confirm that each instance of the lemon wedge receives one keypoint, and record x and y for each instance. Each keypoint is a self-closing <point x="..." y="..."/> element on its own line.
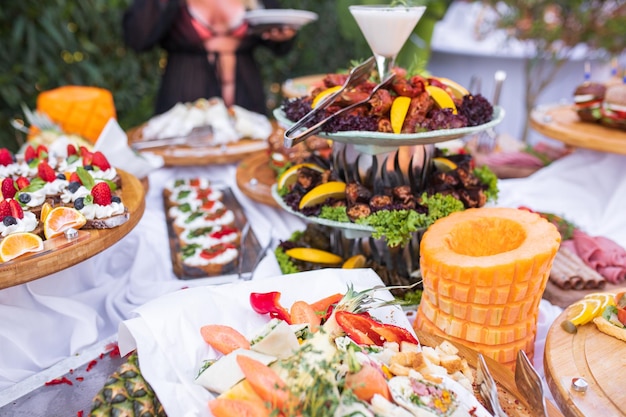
<point x="444" y="164"/>
<point x="356" y="261"/>
<point x="316" y="256"/>
<point x="319" y="194"/>
<point x="457" y="89"/>
<point x="291" y="174"/>
<point x="323" y="94"/>
<point x="441" y="97"/>
<point x="606" y="299"/>
<point x="399" y="109"/>
<point x="583" y="311"/>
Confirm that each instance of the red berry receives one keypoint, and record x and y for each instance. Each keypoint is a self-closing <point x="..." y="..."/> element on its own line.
<point x="29" y="153"/>
<point x="42" y="152"/>
<point x="87" y="156"/>
<point x="101" y="193"/>
<point x="5" y="209"/>
<point x="71" y="149"/>
<point x="16" y="209"/>
<point x="22" y="182"/>
<point x="75" y="178"/>
<point x="8" y="188"/>
<point x="46" y="172"/>
<point x="5" y="157"/>
<point x="100" y="161"/>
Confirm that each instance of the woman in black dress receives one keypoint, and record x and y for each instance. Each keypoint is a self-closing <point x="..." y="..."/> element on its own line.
<point x="209" y="49"/>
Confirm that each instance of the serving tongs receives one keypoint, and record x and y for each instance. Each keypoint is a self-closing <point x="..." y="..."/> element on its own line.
<point x="198" y="136"/>
<point x="356" y="76"/>
<point x="529" y="384"/>
<point x="487" y="387"/>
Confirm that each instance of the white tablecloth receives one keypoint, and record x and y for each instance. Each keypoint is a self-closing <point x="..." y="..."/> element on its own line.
<point x="51" y="319"/>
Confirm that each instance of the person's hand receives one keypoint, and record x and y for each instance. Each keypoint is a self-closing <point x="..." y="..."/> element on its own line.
<point x="279" y="34"/>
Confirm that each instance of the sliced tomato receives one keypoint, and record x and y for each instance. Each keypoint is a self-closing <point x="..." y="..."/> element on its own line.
<point x="621" y="315"/>
<point x="362" y="329"/>
<point x="223" y="338"/>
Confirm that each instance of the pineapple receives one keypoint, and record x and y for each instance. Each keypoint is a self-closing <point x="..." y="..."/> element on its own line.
<point x="127" y="394"/>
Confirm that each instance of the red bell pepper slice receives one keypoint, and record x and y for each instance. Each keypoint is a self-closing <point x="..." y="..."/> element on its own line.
<point x="269" y="303"/>
<point x="365" y="330"/>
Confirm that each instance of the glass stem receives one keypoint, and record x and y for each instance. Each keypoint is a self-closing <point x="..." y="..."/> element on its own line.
<point x="384" y="65"/>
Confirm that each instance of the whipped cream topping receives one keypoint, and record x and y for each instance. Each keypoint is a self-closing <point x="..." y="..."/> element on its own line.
<point x="186" y="184"/>
<point x="26" y="170"/>
<point x="64" y="166"/>
<point x="69" y="197"/>
<point x="27" y="224"/>
<point x="96" y="211"/>
<point x="207" y="240"/>
<point x="194" y="205"/>
<point x="55" y="187"/>
<point x="37" y="198"/>
<point x="9" y="170"/>
<point x="108" y="174"/>
<point x="181" y="196"/>
<point x="223" y="258"/>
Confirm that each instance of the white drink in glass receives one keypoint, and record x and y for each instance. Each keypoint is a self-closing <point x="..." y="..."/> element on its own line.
<point x="386" y="29"/>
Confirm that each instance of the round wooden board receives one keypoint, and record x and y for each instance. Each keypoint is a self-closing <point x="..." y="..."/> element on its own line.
<point x="590" y="354"/>
<point x="89" y="243"/>
<point x="561" y="122"/>
<point x="513" y="403"/>
<point x="255" y="178"/>
<point x="189" y="156"/>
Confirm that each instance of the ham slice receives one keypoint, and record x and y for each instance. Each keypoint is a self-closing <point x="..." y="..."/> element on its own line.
<point x="600" y="253"/>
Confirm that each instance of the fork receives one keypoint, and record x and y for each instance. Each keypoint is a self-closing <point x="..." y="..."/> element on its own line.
<point x="529" y="384"/>
<point x="356" y="76"/>
<point x="39" y="119"/>
<point x="487" y="387"/>
<point x="487" y="139"/>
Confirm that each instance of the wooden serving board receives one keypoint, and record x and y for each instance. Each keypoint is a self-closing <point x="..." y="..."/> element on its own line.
<point x="511" y="400"/>
<point x="561" y="122"/>
<point x="255" y="178"/>
<point x="590" y="354"/>
<point x="60" y="254"/>
<point x="181" y="155"/>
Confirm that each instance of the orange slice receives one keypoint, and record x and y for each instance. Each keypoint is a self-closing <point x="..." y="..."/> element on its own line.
<point x="399" y="109"/>
<point x="60" y="219"/>
<point x="323" y="94"/>
<point x="441" y="97"/>
<point x="18" y="244"/>
<point x="46" y="208"/>
<point x="290" y="175"/>
<point x="444" y="164"/>
<point x="356" y="261"/>
<point x="316" y="256"/>
<point x="583" y="311"/>
<point x="457" y="89"/>
<point x="319" y="194"/>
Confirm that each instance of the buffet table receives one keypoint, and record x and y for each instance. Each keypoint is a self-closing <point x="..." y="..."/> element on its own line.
<point x="49" y="322"/>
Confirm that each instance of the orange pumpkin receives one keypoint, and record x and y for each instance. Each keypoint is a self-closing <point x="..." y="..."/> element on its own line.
<point x="484" y="272"/>
<point x="79" y="110"/>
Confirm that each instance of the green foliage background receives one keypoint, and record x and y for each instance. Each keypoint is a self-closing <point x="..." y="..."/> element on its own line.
<point x="58" y="42"/>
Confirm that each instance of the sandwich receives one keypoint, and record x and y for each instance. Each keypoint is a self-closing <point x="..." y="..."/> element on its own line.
<point x="588" y="99"/>
<point x="613" y="318"/>
<point x="614" y="107"/>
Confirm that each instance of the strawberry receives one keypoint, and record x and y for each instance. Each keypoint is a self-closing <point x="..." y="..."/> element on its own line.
<point x="41" y="151"/>
<point x="46" y="172"/>
<point x="22" y="182"/>
<point x="75" y="178"/>
<point x="5" y="157"/>
<point x="71" y="149"/>
<point x="5" y="210"/>
<point x="16" y="209"/>
<point x="101" y="193"/>
<point x="29" y="153"/>
<point x="100" y="161"/>
<point x="87" y="156"/>
<point x="8" y="188"/>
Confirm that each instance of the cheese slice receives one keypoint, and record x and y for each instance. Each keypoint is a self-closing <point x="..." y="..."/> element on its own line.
<point x="277" y="339"/>
<point x="225" y="372"/>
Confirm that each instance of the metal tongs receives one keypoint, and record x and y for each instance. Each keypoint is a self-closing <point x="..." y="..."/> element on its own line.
<point x="529" y="384"/>
<point x="357" y="75"/>
<point x="487" y="387"/>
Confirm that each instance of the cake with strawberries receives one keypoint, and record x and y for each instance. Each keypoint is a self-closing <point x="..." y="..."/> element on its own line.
<point x="13" y="219"/>
<point x="101" y="208"/>
<point x="213" y="260"/>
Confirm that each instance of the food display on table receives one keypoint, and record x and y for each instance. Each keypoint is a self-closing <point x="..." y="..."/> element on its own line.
<point x="203" y="131"/>
<point x="46" y="196"/>
<point x="205" y="224"/>
<point x="454" y="185"/>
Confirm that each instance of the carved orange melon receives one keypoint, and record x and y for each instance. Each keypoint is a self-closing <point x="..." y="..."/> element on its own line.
<point x="484" y="272"/>
<point x="79" y="110"/>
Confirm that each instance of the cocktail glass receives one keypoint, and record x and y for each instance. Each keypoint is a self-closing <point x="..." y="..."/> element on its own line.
<point x="386" y="28"/>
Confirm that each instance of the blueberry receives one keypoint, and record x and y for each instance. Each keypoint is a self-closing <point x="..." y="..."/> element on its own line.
<point x="24" y="198"/>
<point x="61" y="176"/>
<point x="116" y="199"/>
<point x="79" y="203"/>
<point x="9" y="221"/>
<point x="73" y="186"/>
<point x="88" y="167"/>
